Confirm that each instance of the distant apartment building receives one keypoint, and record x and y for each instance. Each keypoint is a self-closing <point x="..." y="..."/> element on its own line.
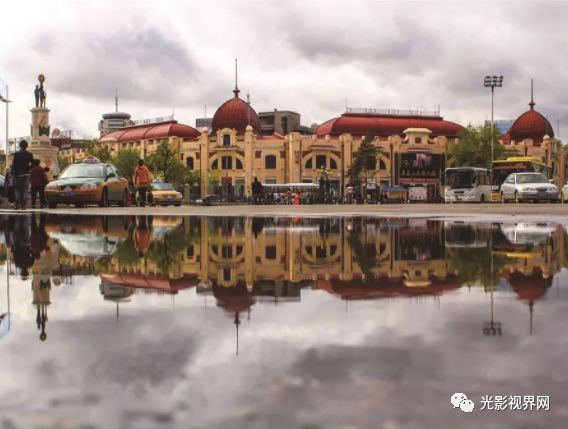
<point x="202" y="123"/>
<point x="280" y="122"/>
<point x="114" y="121"/>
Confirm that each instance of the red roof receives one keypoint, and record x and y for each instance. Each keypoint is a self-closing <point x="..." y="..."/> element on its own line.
<point x="530" y="125"/>
<point x="233" y="299"/>
<point x="529" y="287"/>
<point x="236" y="114"/>
<point x="141" y="281"/>
<point x="386" y="125"/>
<point x="153" y="131"/>
<point x="359" y="289"/>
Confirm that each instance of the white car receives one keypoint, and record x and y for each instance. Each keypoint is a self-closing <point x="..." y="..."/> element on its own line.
<point x="564" y="193"/>
<point x="528" y="187"/>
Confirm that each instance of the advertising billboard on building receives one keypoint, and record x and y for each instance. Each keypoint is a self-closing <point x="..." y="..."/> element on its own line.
<point x="419" y="168"/>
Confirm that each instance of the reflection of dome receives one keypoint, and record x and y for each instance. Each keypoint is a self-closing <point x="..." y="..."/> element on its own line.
<point x="530" y="125"/>
<point x="233" y="299"/>
<point x="529" y="287"/>
<point x="236" y="114"/>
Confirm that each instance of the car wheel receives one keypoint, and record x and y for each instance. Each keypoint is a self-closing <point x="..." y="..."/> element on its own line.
<point x="503" y="200"/>
<point x="517" y="199"/>
<point x="124" y="201"/>
<point x="52" y="205"/>
<point x="104" y="198"/>
<point x="482" y="199"/>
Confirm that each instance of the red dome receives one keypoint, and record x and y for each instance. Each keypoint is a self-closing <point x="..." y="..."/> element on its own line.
<point x="152" y="131"/>
<point x="236" y="114"/>
<point x="530" y="125"/>
<point x="386" y="125"/>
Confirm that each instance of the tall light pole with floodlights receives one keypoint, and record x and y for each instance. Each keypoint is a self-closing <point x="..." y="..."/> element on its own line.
<point x="492" y="82"/>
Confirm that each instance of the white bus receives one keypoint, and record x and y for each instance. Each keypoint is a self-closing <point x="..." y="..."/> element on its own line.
<point x="467" y="184"/>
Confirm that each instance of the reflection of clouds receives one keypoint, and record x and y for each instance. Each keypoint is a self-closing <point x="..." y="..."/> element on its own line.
<point x="313" y="362"/>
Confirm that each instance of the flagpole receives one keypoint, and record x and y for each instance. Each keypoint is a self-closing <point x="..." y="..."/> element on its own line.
<point x="7" y="122"/>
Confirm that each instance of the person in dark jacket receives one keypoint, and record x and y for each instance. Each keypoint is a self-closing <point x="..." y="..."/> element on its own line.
<point x="39" y="181"/>
<point x="21" y="166"/>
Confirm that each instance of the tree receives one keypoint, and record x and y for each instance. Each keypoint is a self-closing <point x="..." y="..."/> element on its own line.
<point x="101" y="152"/>
<point x="366" y="154"/>
<point x="126" y="162"/>
<point x="63" y="162"/>
<point x="473" y="148"/>
<point x="164" y="162"/>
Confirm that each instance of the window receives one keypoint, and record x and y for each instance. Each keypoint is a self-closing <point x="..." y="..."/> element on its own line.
<point x="226" y="163"/>
<point x="270" y="162"/>
<point x="321" y="161"/>
<point x="214" y="165"/>
<point x="189" y="251"/>
<point x="239" y="164"/>
<point x="226" y="252"/>
<point x="270" y="252"/>
<point x="332" y="164"/>
<point x="320" y="252"/>
<point x="227" y="274"/>
<point x="382" y="165"/>
<point x="189" y="162"/>
<point x="417" y="140"/>
<point x="309" y="163"/>
<point x="226" y="140"/>
<point x="371" y="163"/>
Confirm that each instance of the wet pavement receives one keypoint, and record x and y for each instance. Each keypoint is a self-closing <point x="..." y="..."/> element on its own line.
<point x="305" y="322"/>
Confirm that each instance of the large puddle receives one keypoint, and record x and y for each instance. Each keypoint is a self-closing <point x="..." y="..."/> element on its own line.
<point x="187" y="322"/>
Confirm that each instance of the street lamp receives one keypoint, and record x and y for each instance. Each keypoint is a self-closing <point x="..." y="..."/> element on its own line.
<point x="492" y="82"/>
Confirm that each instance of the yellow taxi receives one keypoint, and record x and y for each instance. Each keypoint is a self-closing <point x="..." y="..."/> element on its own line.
<point x="164" y="194"/>
<point x="88" y="182"/>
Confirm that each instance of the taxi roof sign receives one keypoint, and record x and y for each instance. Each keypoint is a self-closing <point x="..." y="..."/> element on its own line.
<point x="91" y="160"/>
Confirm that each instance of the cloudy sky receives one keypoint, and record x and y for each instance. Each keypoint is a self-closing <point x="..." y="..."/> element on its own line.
<point x="309" y="56"/>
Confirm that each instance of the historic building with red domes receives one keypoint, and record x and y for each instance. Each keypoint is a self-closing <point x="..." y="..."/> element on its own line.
<point x="414" y="147"/>
<point x="532" y="135"/>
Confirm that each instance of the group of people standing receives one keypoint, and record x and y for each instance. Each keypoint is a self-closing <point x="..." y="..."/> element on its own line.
<point x="25" y="171"/>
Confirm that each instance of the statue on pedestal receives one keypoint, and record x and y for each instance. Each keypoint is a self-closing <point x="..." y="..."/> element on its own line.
<point x="36" y="94"/>
<point x="41" y="91"/>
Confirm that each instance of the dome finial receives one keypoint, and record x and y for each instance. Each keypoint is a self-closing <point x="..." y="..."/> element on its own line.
<point x="531" y="104"/>
<point x="236" y="90"/>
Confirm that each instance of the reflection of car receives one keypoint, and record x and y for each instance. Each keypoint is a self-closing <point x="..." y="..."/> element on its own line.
<point x="528" y="186"/>
<point x="528" y="233"/>
<point x="164" y="194"/>
<point x="88" y="182"/>
<point x="86" y="245"/>
<point x="564" y="193"/>
<point x="162" y="225"/>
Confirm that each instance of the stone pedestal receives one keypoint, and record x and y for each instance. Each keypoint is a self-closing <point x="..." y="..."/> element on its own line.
<point x="40" y="146"/>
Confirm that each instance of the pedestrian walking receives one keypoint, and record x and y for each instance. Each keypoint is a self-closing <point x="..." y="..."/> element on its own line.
<point x="38" y="180"/>
<point x="256" y="191"/>
<point x="21" y="165"/>
<point x="10" y="186"/>
<point x="142" y="180"/>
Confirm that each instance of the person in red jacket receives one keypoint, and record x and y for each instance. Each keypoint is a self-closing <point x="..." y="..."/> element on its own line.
<point x="39" y="181"/>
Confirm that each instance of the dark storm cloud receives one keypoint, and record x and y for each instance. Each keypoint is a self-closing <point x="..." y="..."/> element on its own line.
<point x="142" y="64"/>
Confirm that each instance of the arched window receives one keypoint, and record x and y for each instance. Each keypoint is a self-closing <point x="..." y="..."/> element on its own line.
<point x="321" y="161"/>
<point x="309" y="163"/>
<point x="239" y="164"/>
<point x="371" y="163"/>
<point x="382" y="165"/>
<point x="332" y="164"/>
<point x="214" y="165"/>
<point x="226" y="140"/>
<point x="189" y="162"/>
<point x="227" y="163"/>
<point x="270" y="162"/>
